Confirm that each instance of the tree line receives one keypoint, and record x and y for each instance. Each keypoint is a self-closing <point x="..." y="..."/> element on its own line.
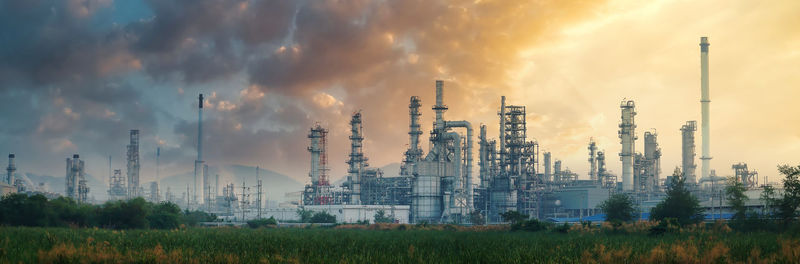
<point x="681" y="207"/>
<point x="37" y="210"/>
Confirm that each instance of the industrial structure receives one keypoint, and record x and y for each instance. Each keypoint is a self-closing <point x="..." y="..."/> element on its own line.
<point x="199" y="164"/>
<point x="116" y="186"/>
<point x="688" y="152"/>
<point x="705" y="102"/>
<point x="438" y="186"/>
<point x="627" y="135"/>
<point x="76" y="179"/>
<point x="133" y="165"/>
<point x="319" y="191"/>
<point x="749" y="178"/>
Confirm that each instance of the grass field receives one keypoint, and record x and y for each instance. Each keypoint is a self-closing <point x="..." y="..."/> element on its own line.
<point x="387" y="244"/>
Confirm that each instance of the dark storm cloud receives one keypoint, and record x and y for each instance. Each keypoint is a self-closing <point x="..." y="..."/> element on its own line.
<point x="303" y="61"/>
<point x="205" y="40"/>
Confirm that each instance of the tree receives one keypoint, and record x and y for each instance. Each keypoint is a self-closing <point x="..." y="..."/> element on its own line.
<point x="381" y="217"/>
<point x="513" y="216"/>
<point x="476" y="218"/>
<point x="679" y="203"/>
<point x="734" y="194"/>
<point x="165" y="215"/>
<point x="787" y="205"/>
<point x="618" y="208"/>
<point x="305" y="215"/>
<point x="323" y="217"/>
<point x="768" y="196"/>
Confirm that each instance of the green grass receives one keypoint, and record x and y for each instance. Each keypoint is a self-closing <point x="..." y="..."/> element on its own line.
<point x="326" y="245"/>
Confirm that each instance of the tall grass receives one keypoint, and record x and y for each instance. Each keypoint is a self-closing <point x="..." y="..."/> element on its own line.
<point x="387" y="244"/>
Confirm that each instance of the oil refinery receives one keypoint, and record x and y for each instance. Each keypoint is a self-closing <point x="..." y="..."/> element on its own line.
<point x="467" y="171"/>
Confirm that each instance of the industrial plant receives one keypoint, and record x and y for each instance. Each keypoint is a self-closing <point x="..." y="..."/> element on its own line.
<point x="462" y="176"/>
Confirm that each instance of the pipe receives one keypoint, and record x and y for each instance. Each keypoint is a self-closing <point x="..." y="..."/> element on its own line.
<point x="468" y="126"/>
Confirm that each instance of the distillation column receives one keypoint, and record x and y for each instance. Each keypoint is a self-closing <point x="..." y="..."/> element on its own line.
<point x="592" y="160"/>
<point x="688" y="152"/>
<point x="133" y="165"/>
<point x="357" y="159"/>
<point x="547" y="173"/>
<point x="652" y="156"/>
<point x="11" y="169"/>
<point x="414" y="152"/>
<point x="627" y="135"/>
<point x="705" y="102"/>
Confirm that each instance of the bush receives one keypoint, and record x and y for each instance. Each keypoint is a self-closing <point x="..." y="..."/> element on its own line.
<point x="193" y="218"/>
<point x="532" y="225"/>
<point x="513" y="216"/>
<point x="165" y="215"/>
<point x="263" y="222"/>
<point x="562" y="228"/>
<point x="305" y="215"/>
<point x="381" y="217"/>
<point x="323" y="217"/>
<point x="679" y="204"/>
<point x="618" y="208"/>
<point x="666" y="225"/>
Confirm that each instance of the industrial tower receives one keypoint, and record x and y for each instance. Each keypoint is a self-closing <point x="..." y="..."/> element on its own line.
<point x="76" y="180"/>
<point x="133" y="165"/>
<point x="357" y="161"/>
<point x="199" y="164"/>
<point x="705" y="102"/>
<point x="688" y="152"/>
<point x="627" y="135"/>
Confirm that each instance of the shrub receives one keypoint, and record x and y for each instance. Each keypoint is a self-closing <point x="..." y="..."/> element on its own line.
<point x="679" y="204"/>
<point x="513" y="216"/>
<point x="262" y="222"/>
<point x="323" y="217"/>
<point x="381" y="217"/>
<point x="165" y="215"/>
<point x="618" y="208"/>
<point x="532" y="225"/>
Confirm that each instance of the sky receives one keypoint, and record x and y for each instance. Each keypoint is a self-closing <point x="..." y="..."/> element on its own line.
<point x="77" y="75"/>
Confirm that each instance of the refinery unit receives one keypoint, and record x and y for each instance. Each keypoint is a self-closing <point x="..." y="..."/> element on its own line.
<point x="463" y="174"/>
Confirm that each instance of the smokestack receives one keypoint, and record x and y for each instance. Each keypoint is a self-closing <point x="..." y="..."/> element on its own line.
<point x="439" y="107"/>
<point x="705" y="102"/>
<point x="198" y="163"/>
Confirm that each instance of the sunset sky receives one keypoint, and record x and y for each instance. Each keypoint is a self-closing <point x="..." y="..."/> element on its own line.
<point x="76" y="75"/>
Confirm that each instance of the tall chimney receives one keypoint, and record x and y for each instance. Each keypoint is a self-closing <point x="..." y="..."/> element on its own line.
<point x="198" y="163"/>
<point x="705" y="102"/>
